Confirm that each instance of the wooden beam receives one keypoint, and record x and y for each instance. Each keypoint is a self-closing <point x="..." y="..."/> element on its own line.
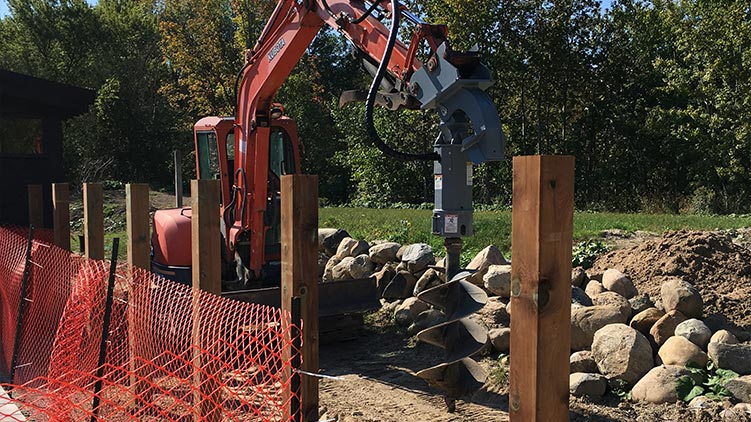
<point x="542" y="232"/>
<point x="61" y="214"/>
<point x="36" y="206"/>
<point x="93" y="220"/>
<point x="299" y="218"/>
<point x="137" y="224"/>
<point x="207" y="276"/>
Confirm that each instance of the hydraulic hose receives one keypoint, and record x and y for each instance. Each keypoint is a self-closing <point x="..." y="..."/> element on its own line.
<point x="367" y="12"/>
<point x="370" y="102"/>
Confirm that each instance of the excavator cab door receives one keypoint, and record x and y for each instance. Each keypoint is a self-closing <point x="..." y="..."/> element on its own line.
<point x="281" y="162"/>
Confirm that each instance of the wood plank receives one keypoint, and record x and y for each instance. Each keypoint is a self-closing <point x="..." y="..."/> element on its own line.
<point x="61" y="214"/>
<point x="207" y="276"/>
<point x="93" y="220"/>
<point x="36" y="205"/>
<point x="299" y="219"/>
<point x="542" y="232"/>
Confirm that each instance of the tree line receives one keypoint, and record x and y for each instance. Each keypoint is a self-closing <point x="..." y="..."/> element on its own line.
<point x="652" y="97"/>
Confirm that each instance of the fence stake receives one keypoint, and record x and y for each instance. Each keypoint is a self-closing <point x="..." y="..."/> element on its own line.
<point x="93" y="220"/>
<point x="21" y="306"/>
<point x="61" y="214"/>
<point x="207" y="276"/>
<point x="105" y="329"/>
<point x="542" y="231"/>
<point x="36" y="205"/>
<point x="299" y="269"/>
<point x="296" y="334"/>
<point x="137" y="226"/>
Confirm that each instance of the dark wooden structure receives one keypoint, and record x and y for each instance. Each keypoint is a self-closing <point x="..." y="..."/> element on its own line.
<point x="31" y="139"/>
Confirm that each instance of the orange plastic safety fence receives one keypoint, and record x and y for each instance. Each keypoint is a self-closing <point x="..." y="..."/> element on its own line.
<point x="173" y="353"/>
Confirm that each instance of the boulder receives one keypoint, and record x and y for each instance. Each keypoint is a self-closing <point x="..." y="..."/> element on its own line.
<point x="740" y="388"/>
<point x="736" y="357"/>
<point x="584" y="384"/>
<point x="622" y="353"/>
<point x="644" y="320"/>
<point x="680" y="351"/>
<point x="382" y="253"/>
<point x="741" y="412"/>
<point x="701" y="403"/>
<point x="615" y="300"/>
<point x="345" y="246"/>
<point x="497" y="280"/>
<point x="328" y="274"/>
<point x="360" y="248"/>
<point x="384" y="276"/>
<point x="426" y="319"/>
<point x="658" y="385"/>
<point x="493" y="314"/>
<point x="680" y="295"/>
<point x="360" y="267"/>
<point x="616" y="281"/>
<point x="579" y="297"/>
<point x="428" y="279"/>
<point x="695" y="331"/>
<point x="578" y="276"/>
<point x="594" y="288"/>
<point x="417" y="257"/>
<point x="500" y="339"/>
<point x="329" y="239"/>
<point x="640" y="303"/>
<point x="406" y="313"/>
<point x="340" y="271"/>
<point x="723" y="336"/>
<point x="401" y="286"/>
<point x="491" y="255"/>
<point x="582" y="361"/>
<point x="586" y="321"/>
<point x="664" y="328"/>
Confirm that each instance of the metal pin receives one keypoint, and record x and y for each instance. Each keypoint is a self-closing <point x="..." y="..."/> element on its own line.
<point x="28" y="300"/>
<point x="36" y="264"/>
<point x="41" y="244"/>
<point x="24" y="365"/>
<point x="311" y="374"/>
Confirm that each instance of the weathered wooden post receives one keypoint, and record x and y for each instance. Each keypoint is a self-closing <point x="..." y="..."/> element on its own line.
<point x="61" y="214"/>
<point x="36" y="205"/>
<point x="93" y="220"/>
<point x="299" y="268"/>
<point x="137" y="227"/>
<point x="207" y="276"/>
<point x="542" y="231"/>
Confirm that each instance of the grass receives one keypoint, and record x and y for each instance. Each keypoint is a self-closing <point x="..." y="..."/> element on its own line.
<point x="494" y="227"/>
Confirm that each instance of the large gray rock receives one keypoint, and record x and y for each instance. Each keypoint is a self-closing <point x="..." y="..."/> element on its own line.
<point x="491" y="255"/>
<point x="740" y="388"/>
<point x="640" y="303"/>
<point x="328" y="272"/>
<point x="360" y="248"/>
<point x="622" y="353"/>
<point x="583" y="384"/>
<point x="360" y="267"/>
<point x="417" y="257"/>
<point x="615" y="300"/>
<point x="658" y="385"/>
<point x="680" y="351"/>
<point x="406" y="313"/>
<point x="428" y="279"/>
<point x="425" y="320"/>
<point x="736" y="357"/>
<point x="384" y="276"/>
<point x="594" y="288"/>
<point x="384" y="252"/>
<point x="723" y="336"/>
<point x="616" y="281"/>
<point x="579" y="297"/>
<point x="497" y="280"/>
<point x="582" y="361"/>
<point x="664" y="328"/>
<point x="345" y="246"/>
<point x="586" y="321"/>
<point x="680" y="295"/>
<point x="329" y="239"/>
<point x="644" y="320"/>
<point x="340" y="271"/>
<point x="493" y="314"/>
<point x="578" y="276"/>
<point x="500" y="339"/>
<point x="695" y="331"/>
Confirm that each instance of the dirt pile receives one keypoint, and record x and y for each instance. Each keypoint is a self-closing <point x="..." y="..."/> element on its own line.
<point x="717" y="267"/>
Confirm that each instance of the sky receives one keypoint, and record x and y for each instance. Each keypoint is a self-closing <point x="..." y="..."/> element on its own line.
<point x="4" y="6"/>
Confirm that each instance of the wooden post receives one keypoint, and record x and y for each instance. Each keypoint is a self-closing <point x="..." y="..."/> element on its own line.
<point x="36" y="206"/>
<point x="61" y="214"/>
<point x="137" y="226"/>
<point x="93" y="220"/>
<point x="178" y="179"/>
<point x="299" y="268"/>
<point x="207" y="276"/>
<point x="542" y="231"/>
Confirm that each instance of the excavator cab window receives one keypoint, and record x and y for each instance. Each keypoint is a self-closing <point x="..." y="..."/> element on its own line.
<point x="208" y="155"/>
<point x="281" y="162"/>
<point x="231" y="156"/>
<point x="281" y="157"/>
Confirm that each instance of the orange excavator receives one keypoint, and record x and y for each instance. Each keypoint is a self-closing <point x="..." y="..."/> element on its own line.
<point x="249" y="152"/>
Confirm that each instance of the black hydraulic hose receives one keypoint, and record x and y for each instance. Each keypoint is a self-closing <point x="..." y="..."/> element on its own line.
<point x="370" y="102"/>
<point x="367" y="13"/>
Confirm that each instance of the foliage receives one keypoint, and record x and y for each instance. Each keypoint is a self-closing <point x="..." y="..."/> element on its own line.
<point x="585" y="253"/>
<point x="709" y="382"/>
<point x="620" y="388"/>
